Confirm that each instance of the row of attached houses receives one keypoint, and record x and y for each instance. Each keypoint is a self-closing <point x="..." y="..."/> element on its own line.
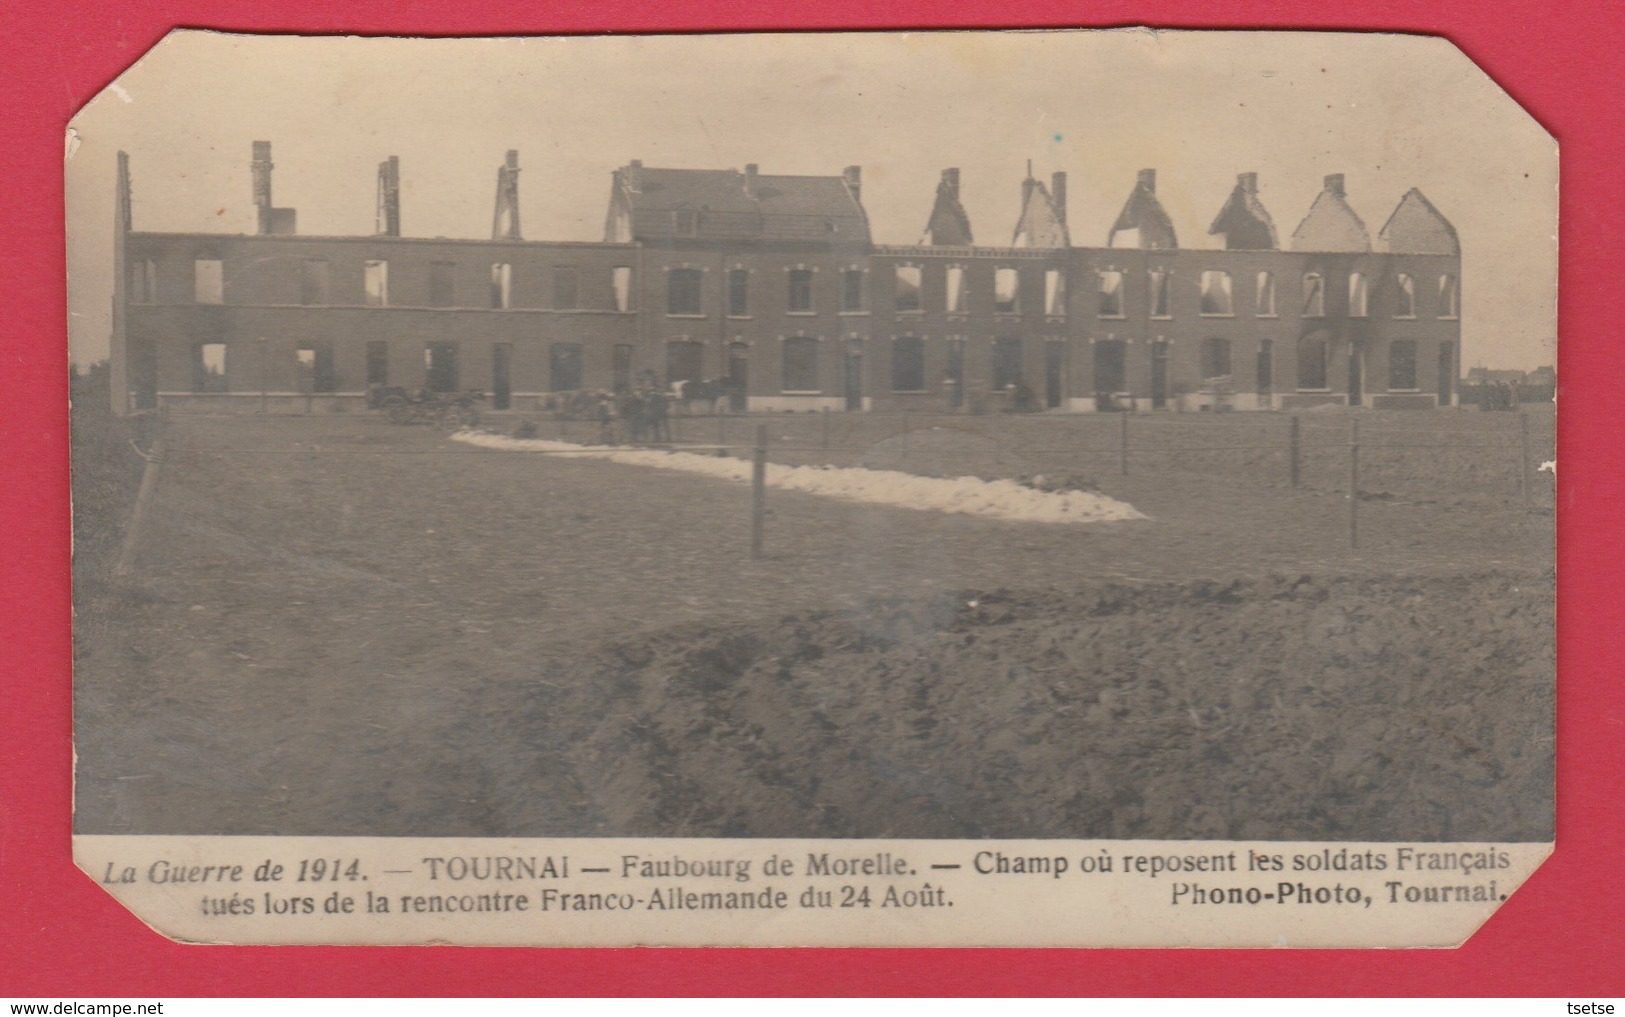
<point x="773" y="286"/>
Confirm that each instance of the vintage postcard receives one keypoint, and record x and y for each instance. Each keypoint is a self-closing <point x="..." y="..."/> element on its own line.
<point x="1065" y="488"/>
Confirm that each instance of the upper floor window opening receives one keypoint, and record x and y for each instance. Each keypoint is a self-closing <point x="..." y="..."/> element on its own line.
<point x="1218" y="298"/>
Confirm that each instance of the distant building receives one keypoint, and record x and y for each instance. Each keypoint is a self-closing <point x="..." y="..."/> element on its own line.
<point x="774" y="285"/>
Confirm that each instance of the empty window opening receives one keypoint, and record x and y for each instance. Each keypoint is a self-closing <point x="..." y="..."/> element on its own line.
<point x="375" y="283"/>
<point x="908" y="364"/>
<point x="144" y="282"/>
<point x="1402" y="364"/>
<point x="377" y="362"/>
<point x="1007" y="362"/>
<point x="440" y="367"/>
<point x="1312" y="362"/>
<point x="566" y="289"/>
<point x="685" y="222"/>
<point x="1111" y="294"/>
<point x="621" y="280"/>
<point x="1404" y="296"/>
<point x="852" y="290"/>
<point x="800" y="299"/>
<point x="739" y="293"/>
<point x="314" y="361"/>
<point x="1314" y="295"/>
<point x="1054" y="293"/>
<point x="956" y="290"/>
<point x="1264" y="295"/>
<point x="313" y="283"/>
<point x="1006" y="291"/>
<point x="501" y="286"/>
<point x="1217" y="296"/>
<point x="683" y="291"/>
<point x="1449" y="297"/>
<point x="1161" y="283"/>
<point x="1266" y="366"/>
<point x="801" y="364"/>
<point x="442" y="284"/>
<point x="908" y="288"/>
<point x="209" y="369"/>
<point x="1358" y="302"/>
<point x="210" y="285"/>
<point x="564" y="367"/>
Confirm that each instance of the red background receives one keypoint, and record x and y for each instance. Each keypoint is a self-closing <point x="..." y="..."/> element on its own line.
<point x="1563" y="934"/>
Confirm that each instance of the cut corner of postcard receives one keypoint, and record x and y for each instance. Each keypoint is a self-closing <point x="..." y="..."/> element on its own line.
<point x="933" y="489"/>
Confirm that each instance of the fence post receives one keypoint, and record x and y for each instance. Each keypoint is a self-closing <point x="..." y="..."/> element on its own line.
<point x="905" y="434"/>
<point x="143" y="499"/>
<point x="1123" y="445"/>
<point x="722" y="435"/>
<point x="1523" y="458"/>
<point x="1354" y="482"/>
<point x="1293" y="458"/>
<point x="825" y="439"/>
<point x="758" y="490"/>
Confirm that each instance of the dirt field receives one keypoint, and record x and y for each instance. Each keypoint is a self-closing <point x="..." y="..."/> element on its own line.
<point x="338" y="626"/>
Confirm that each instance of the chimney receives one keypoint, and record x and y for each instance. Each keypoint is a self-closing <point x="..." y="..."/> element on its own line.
<point x="505" y="217"/>
<point x="750" y="180"/>
<point x="262" y="185"/>
<point x="1148" y="180"/>
<point x="853" y="175"/>
<point x="1057" y="189"/>
<point x="1247" y="182"/>
<point x="950" y="183"/>
<point x="389" y="197"/>
<point x="1334" y="185"/>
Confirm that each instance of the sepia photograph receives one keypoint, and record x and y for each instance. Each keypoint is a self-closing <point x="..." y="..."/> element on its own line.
<point x="1117" y="435"/>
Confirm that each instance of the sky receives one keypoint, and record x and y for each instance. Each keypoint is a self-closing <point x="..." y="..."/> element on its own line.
<point x="1389" y="112"/>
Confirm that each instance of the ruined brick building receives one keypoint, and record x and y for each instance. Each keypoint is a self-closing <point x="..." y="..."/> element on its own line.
<point x="774" y="284"/>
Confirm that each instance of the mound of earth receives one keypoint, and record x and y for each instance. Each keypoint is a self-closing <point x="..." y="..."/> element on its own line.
<point x="1267" y="709"/>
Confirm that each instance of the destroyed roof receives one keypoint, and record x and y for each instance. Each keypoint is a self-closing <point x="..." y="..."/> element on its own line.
<point x="1244" y="222"/>
<point x="1331" y="224"/>
<point x="728" y="204"/>
<point x="1416" y="227"/>
<point x="1144" y="217"/>
<point x="948" y="226"/>
<point x="1042" y="222"/>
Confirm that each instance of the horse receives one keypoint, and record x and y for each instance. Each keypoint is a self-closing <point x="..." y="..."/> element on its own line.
<point x="712" y="392"/>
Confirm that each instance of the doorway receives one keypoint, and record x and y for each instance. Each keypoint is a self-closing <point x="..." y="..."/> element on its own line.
<point x="1054" y="369"/>
<point x="854" y="375"/>
<point x="1356" y="376"/>
<point x="738" y="377"/>
<point x="440" y="367"/>
<point x="1159" y="375"/>
<point x="501" y="371"/>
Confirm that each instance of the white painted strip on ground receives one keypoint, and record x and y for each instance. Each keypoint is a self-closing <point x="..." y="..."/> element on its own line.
<point x="993" y="499"/>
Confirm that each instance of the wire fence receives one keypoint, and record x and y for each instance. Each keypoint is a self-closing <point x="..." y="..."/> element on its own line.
<point x="1360" y="456"/>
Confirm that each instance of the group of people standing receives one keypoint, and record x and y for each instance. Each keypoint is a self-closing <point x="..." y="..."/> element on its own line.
<point x="1498" y="395"/>
<point x="646" y="411"/>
